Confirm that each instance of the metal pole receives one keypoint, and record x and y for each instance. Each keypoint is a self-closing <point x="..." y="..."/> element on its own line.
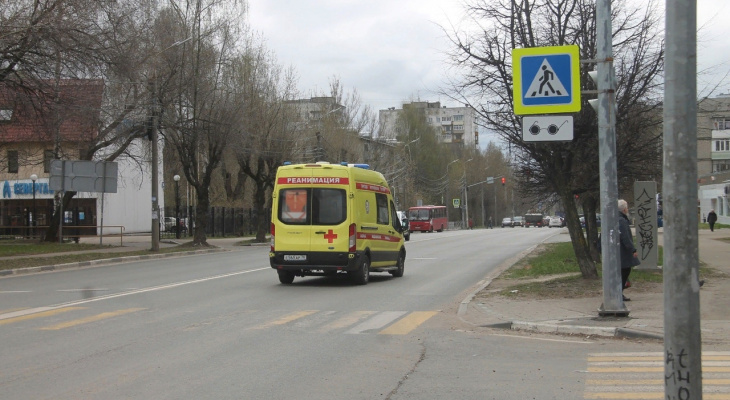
<point x="682" y="335"/>
<point x="34" y="222"/>
<point x="101" y="219"/>
<point x="155" y="171"/>
<point x="177" y="206"/>
<point x="466" y="205"/>
<point x="613" y="303"/>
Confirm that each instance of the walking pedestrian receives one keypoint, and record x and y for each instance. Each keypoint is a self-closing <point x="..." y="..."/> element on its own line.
<point x="629" y="257"/>
<point x="711" y="219"/>
<point x="490" y="223"/>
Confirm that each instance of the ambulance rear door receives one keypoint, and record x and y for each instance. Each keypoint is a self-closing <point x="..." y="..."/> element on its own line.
<point x="294" y="206"/>
<point x="330" y="211"/>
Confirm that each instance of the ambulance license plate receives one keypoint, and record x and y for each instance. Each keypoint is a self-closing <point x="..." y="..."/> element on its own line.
<point x="295" y="257"/>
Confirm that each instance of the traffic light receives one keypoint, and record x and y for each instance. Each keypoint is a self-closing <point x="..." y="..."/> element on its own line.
<point x="503" y="180"/>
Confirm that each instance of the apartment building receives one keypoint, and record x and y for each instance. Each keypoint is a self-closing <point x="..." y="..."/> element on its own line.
<point x="456" y="125"/>
<point x="713" y="156"/>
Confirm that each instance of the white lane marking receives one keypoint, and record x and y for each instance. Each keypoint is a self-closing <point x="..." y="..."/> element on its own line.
<point x="131" y="292"/>
<point x="84" y="290"/>
<point x="15" y="291"/>
<point x="424" y="258"/>
<point x="376" y="322"/>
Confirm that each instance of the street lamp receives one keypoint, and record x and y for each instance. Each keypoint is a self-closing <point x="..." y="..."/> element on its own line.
<point x="408" y="146"/>
<point x="177" y="205"/>
<point x="34" y="178"/>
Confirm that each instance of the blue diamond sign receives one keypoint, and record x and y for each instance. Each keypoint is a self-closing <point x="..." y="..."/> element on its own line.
<point x="546" y="80"/>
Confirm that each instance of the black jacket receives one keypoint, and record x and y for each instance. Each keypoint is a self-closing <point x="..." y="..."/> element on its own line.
<point x="712" y="217"/>
<point x="627" y="242"/>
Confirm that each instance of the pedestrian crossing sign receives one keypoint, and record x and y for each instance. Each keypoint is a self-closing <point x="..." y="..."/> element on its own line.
<point x="546" y="80"/>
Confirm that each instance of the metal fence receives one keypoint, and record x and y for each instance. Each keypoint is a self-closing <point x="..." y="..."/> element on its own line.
<point x="222" y="221"/>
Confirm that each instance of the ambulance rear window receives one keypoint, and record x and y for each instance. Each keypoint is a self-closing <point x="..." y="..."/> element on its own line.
<point x="312" y="206"/>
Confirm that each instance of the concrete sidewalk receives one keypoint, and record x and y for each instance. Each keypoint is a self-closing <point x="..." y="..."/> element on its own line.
<point x="646" y="311"/>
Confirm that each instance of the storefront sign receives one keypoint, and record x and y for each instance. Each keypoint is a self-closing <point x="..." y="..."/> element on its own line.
<point x="24" y="189"/>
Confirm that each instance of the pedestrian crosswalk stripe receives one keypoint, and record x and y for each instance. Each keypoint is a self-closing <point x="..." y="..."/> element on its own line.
<point x="376" y="322"/>
<point x="285" y="319"/>
<point x="93" y="318"/>
<point x="347" y="320"/>
<point x="408" y="323"/>
<point x="39" y="315"/>
<point x="641" y="376"/>
<point x="649" y="396"/>
<point x="601" y="370"/>
<point x="315" y="321"/>
<point x="617" y="382"/>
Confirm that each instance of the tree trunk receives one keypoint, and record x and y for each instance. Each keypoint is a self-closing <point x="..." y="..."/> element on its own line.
<point x="52" y="230"/>
<point x="259" y="203"/>
<point x="201" y="217"/>
<point x="590" y="205"/>
<point x="580" y="247"/>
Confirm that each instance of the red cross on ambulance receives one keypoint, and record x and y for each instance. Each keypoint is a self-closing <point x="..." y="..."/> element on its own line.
<point x="330" y="236"/>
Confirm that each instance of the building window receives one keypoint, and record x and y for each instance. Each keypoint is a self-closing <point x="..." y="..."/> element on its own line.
<point x="458" y="117"/>
<point x="13" y="161"/>
<point x="47" y="157"/>
<point x="721" y="123"/>
<point x="722" y="145"/>
<point x="720" y="165"/>
<point x="6" y="115"/>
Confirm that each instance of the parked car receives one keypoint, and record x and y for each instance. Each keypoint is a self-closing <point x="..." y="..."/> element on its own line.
<point x="518" y="221"/>
<point x="555" y="222"/>
<point x="507" y="222"/>
<point x="168" y="224"/>
<point x="404" y="221"/>
<point x="583" y="221"/>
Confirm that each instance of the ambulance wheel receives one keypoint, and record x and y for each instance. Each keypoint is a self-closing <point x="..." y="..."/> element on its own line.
<point x="285" y="277"/>
<point x="362" y="275"/>
<point x="401" y="266"/>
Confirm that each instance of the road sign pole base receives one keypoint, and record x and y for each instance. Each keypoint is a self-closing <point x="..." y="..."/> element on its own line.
<point x="620" y="312"/>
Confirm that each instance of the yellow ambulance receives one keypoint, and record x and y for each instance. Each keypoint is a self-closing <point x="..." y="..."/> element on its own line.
<point x="329" y="219"/>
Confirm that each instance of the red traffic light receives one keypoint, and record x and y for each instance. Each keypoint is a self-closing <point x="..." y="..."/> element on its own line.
<point x="503" y="180"/>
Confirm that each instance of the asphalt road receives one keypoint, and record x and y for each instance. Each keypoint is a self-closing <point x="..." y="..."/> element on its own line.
<point x="221" y="326"/>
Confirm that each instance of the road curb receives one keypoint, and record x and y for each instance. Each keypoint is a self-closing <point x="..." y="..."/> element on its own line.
<point x="541" y="327"/>
<point x="103" y="261"/>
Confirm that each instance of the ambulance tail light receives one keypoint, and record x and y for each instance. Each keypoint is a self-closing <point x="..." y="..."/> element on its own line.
<point x="353" y="239"/>
<point x="273" y="228"/>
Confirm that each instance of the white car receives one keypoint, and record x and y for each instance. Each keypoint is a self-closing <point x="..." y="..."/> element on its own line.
<point x="556" y="222"/>
<point x="404" y="221"/>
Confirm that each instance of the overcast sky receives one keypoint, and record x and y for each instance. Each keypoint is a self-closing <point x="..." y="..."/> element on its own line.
<point x="393" y="51"/>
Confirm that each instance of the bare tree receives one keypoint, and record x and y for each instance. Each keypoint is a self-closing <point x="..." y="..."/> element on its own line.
<point x="200" y="109"/>
<point x="567" y="169"/>
<point x="268" y="136"/>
